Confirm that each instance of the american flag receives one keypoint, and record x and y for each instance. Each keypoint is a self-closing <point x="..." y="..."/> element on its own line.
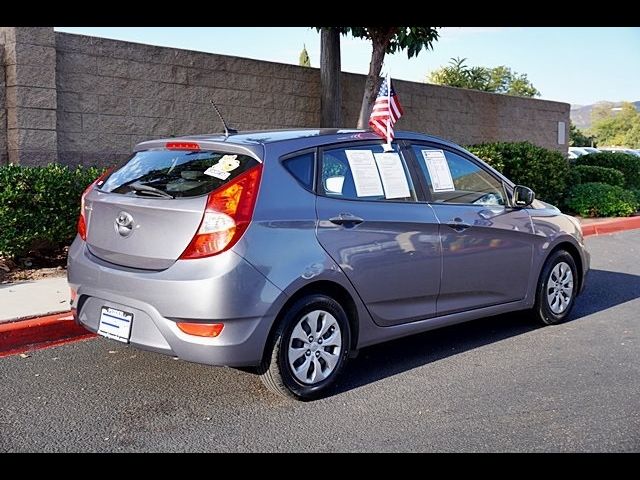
<point x="386" y="111"/>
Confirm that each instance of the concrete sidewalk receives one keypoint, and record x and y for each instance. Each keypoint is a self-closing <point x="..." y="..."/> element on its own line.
<point x="33" y="298"/>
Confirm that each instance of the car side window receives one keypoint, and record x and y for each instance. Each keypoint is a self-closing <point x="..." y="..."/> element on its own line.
<point x="454" y="179"/>
<point x="301" y="167"/>
<point x="365" y="172"/>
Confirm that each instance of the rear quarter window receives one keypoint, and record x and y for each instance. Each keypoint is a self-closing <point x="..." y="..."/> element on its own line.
<point x="301" y="167"/>
<point x="170" y="173"/>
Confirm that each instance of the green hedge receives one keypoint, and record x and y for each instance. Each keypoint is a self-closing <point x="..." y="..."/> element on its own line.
<point x="544" y="171"/>
<point x="601" y="200"/>
<point x="590" y="174"/>
<point x="629" y="165"/>
<point x="39" y="206"/>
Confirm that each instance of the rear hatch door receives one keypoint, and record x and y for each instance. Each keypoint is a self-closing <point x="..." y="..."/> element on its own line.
<point x="145" y="213"/>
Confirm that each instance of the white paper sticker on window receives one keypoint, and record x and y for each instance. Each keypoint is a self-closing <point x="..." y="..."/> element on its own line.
<point x="365" y="174"/>
<point x="439" y="172"/>
<point x="394" y="180"/>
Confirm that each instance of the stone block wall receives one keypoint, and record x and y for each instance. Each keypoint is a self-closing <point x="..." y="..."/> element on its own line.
<point x="30" y="104"/>
<point x="86" y="100"/>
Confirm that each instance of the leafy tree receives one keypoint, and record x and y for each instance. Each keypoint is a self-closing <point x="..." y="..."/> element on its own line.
<point x="455" y="75"/>
<point x="304" y="60"/>
<point x="499" y="79"/>
<point x="387" y="40"/>
<point x="617" y="127"/>
<point x="577" y="138"/>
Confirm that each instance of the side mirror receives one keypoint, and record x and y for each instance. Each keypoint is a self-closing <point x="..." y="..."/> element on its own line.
<point x="523" y="196"/>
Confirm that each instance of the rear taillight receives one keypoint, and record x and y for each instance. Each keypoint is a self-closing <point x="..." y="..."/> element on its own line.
<point x="82" y="221"/>
<point x="226" y="217"/>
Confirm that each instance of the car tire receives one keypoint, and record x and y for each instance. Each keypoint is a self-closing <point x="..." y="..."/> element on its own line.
<point x="557" y="289"/>
<point x="304" y="368"/>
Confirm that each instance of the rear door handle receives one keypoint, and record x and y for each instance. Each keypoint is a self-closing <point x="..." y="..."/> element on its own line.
<point x="458" y="225"/>
<point x="346" y="219"/>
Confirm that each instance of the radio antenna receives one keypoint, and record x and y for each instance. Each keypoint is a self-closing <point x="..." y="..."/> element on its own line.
<point x="227" y="130"/>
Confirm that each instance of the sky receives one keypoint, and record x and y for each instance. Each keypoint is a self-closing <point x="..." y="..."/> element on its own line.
<point x="577" y="65"/>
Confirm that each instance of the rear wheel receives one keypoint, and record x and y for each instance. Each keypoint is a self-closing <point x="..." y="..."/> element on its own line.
<point x="309" y="348"/>
<point x="557" y="288"/>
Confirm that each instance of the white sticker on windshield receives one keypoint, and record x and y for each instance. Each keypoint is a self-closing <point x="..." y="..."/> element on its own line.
<point x="365" y="174"/>
<point x="217" y="172"/>
<point x="394" y="179"/>
<point x="228" y="163"/>
<point x="439" y="172"/>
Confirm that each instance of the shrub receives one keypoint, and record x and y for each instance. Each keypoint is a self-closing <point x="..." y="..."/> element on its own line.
<point x="590" y="174"/>
<point x="601" y="200"/>
<point x="629" y="165"/>
<point x="544" y="171"/>
<point x="39" y="206"/>
<point x="636" y="192"/>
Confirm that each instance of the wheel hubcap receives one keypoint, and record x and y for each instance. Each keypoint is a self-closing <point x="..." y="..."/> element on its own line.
<point x="314" y="347"/>
<point x="560" y="288"/>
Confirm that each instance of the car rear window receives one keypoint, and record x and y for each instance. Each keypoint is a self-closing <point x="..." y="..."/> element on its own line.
<point x="170" y="173"/>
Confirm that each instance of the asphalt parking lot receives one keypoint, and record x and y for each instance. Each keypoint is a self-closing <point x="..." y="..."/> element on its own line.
<point x="496" y="384"/>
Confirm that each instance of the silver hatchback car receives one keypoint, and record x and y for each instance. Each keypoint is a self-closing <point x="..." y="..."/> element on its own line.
<point x="289" y="250"/>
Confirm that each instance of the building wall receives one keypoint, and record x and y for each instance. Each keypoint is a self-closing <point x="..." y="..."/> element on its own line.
<point x="112" y="94"/>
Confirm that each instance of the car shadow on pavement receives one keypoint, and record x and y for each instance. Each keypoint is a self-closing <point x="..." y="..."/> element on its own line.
<point x="604" y="290"/>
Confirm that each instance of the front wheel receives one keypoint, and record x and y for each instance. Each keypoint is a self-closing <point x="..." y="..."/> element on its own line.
<point x="557" y="288"/>
<point x="309" y="348"/>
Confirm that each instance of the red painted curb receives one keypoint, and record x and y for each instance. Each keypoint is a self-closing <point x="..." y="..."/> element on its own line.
<point x="41" y="332"/>
<point x="611" y="226"/>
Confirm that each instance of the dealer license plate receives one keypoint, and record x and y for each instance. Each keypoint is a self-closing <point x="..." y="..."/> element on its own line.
<point x="115" y="324"/>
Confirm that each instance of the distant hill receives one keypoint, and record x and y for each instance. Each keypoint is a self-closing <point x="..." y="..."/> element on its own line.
<point x="581" y="114"/>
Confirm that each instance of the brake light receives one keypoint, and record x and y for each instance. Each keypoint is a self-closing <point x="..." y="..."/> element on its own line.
<point x="226" y="217"/>
<point x="182" y="146"/>
<point x="82" y="221"/>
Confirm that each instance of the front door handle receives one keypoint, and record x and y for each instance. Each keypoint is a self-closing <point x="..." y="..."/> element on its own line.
<point x="458" y="225"/>
<point x="346" y="219"/>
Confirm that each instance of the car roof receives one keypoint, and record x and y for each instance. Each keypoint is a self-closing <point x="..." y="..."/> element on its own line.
<point x="316" y="136"/>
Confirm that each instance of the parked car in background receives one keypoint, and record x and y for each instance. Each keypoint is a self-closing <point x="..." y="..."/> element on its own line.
<point x="287" y="251"/>
<point x="575" y="152"/>
<point x="628" y="151"/>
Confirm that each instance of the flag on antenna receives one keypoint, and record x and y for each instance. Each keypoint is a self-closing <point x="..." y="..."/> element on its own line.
<point x="386" y="111"/>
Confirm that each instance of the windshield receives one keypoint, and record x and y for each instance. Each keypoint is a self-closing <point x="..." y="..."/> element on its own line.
<point x="167" y="173"/>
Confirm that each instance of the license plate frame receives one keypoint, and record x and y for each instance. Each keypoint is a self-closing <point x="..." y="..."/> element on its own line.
<point x="115" y="324"/>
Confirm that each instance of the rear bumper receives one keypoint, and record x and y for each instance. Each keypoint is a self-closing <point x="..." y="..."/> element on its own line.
<point x="224" y="288"/>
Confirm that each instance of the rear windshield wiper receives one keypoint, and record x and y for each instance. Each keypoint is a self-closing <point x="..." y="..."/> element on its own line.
<point x="148" y="190"/>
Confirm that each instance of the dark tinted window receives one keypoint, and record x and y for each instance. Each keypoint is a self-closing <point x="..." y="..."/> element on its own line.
<point x="164" y="173"/>
<point x="365" y="172"/>
<point x="301" y="167"/>
<point x="455" y="179"/>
